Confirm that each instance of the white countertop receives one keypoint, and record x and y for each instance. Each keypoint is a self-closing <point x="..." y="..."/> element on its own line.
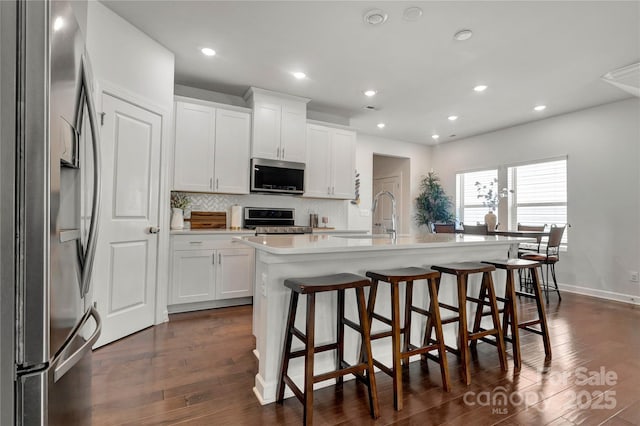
<point x="189" y="231"/>
<point x="314" y="243"/>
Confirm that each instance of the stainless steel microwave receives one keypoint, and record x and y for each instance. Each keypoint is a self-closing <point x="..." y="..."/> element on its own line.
<point x="281" y="177"/>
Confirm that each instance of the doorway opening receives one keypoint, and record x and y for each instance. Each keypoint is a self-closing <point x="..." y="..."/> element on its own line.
<point x="391" y="174"/>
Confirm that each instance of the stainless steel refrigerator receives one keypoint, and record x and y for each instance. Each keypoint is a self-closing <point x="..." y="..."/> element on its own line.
<point x="50" y="183"/>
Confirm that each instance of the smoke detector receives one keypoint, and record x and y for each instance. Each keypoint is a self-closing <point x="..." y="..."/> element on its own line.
<point x="375" y="17"/>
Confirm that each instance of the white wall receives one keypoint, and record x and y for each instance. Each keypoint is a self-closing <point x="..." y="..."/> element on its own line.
<point x="124" y="56"/>
<point x="366" y="147"/>
<point x="603" y="187"/>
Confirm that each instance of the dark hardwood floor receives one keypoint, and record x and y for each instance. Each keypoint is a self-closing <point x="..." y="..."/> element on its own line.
<point x="199" y="369"/>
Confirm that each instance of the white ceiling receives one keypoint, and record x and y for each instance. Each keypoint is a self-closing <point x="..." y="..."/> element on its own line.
<point x="528" y="53"/>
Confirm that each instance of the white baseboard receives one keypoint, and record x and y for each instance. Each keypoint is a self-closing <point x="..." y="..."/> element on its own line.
<point x="602" y="294"/>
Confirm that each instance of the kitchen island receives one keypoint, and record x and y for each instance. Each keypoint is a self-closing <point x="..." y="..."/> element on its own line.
<point x="288" y="256"/>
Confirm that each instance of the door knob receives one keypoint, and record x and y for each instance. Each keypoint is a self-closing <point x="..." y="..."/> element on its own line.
<point x="154" y="230"/>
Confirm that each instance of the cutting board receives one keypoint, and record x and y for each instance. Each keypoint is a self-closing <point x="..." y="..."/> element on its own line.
<point x="208" y="220"/>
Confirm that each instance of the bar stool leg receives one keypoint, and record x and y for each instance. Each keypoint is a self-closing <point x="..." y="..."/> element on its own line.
<point x="541" y="314"/>
<point x="429" y="327"/>
<point x="479" y="313"/>
<point x="366" y="343"/>
<point x="486" y="277"/>
<point x="308" y="359"/>
<point x="373" y="291"/>
<point x="442" y="351"/>
<point x="340" y="334"/>
<point x="511" y="315"/>
<point x="463" y="333"/>
<point x="395" y="347"/>
<point x="407" y="320"/>
<point x="288" y="336"/>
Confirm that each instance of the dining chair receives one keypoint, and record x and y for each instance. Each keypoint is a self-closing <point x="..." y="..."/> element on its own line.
<point x="444" y="228"/>
<point x="549" y="258"/>
<point x="475" y="229"/>
<point x="526" y="248"/>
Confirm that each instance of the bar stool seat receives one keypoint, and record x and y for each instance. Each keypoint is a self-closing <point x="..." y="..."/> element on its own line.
<point x="363" y="370"/>
<point x="462" y="270"/>
<point x="510" y="320"/>
<point x="401" y="355"/>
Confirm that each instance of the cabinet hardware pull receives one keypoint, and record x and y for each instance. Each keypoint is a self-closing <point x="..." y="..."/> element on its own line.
<point x="278" y="153"/>
<point x="329" y="190"/>
<point x="219" y="259"/>
<point x="283" y="153"/>
<point x="217" y="183"/>
<point x="154" y="230"/>
<point x="211" y="183"/>
<point x="195" y="242"/>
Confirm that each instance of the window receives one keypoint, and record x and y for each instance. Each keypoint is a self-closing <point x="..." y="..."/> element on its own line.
<point x="540" y="194"/>
<point x="469" y="208"/>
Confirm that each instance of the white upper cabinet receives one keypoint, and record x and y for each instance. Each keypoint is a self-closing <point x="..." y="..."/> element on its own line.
<point x="194" y="147"/>
<point x="317" y="177"/>
<point x="279" y="125"/>
<point x="233" y="131"/>
<point x="211" y="148"/>
<point x="330" y="169"/>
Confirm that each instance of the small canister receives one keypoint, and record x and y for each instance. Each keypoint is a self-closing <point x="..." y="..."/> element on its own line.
<point x="313" y="220"/>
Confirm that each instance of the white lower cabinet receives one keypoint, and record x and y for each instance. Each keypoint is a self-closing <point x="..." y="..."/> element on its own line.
<point x="209" y="271"/>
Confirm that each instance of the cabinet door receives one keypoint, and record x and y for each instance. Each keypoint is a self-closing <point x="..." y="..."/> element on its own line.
<point x="266" y="131"/>
<point x="318" y="169"/>
<point x="194" y="142"/>
<point x="193" y="277"/>
<point x="294" y="124"/>
<point x="232" y="152"/>
<point x="343" y="149"/>
<point x="235" y="273"/>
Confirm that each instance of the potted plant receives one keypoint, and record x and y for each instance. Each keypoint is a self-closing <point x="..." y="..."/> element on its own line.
<point x="490" y="197"/>
<point x="432" y="204"/>
<point x="179" y="202"/>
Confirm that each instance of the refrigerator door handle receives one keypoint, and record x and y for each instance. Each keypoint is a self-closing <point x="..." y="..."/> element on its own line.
<point x="97" y="166"/>
<point x="64" y="363"/>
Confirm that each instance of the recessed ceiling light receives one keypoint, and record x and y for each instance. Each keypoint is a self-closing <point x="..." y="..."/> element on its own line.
<point x="381" y="125"/>
<point x="435" y="137"/>
<point x="480" y="88"/>
<point x="452" y="117"/>
<point x="375" y="17"/>
<point x="540" y="107"/>
<point x="370" y="107"/>
<point x="58" y="23"/>
<point x="463" y="35"/>
<point x="299" y="75"/>
<point x="207" y="51"/>
<point x="412" y="13"/>
<point x="370" y="93"/>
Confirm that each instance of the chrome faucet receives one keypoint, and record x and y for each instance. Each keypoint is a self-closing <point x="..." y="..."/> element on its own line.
<point x="394" y="225"/>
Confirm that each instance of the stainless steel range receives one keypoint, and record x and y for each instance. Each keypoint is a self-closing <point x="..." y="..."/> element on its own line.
<point x="273" y="221"/>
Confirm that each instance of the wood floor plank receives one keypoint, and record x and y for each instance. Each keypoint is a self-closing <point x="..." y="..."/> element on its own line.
<point x="199" y="369"/>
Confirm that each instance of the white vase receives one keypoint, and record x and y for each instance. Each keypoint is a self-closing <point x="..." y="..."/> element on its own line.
<point x="491" y="220"/>
<point x="177" y="218"/>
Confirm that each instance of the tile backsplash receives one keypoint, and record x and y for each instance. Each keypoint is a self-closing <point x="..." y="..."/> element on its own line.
<point x="335" y="210"/>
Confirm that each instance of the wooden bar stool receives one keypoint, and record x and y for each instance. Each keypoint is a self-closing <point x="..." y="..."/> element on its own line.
<point x="462" y="270"/>
<point x="510" y="316"/>
<point x="309" y="287"/>
<point x="401" y="354"/>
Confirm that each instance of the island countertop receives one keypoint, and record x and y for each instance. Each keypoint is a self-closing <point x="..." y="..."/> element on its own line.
<point x="310" y="243"/>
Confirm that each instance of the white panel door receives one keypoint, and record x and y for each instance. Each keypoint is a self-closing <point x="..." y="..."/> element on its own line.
<point x="194" y="144"/>
<point x="343" y="149"/>
<point x="125" y="278"/>
<point x="318" y="168"/>
<point x="235" y="273"/>
<point x="266" y="131"/>
<point x="193" y="277"/>
<point x="292" y="142"/>
<point x="233" y="133"/>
